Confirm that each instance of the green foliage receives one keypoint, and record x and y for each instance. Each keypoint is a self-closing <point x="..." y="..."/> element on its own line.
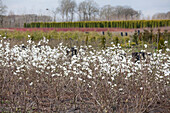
<point x="87" y="38"/>
<point x="146" y="35"/>
<point x="93" y="38"/>
<point x="101" y="24"/>
<point x="126" y="39"/>
<point x="103" y="42"/>
<point x="116" y="40"/>
<point x="135" y="37"/>
<point x="133" y="43"/>
<point x="161" y="44"/>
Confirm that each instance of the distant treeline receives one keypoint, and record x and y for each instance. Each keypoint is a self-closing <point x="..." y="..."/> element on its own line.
<point x="101" y="24"/>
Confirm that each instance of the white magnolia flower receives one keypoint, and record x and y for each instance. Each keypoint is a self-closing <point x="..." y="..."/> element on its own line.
<point x="154" y="54"/>
<point x="29" y="41"/>
<point x="90" y="77"/>
<point x="53" y="75"/>
<point x="31" y="83"/>
<point x="165" y="42"/>
<point x="71" y="78"/>
<point x="120" y="89"/>
<point x="141" y="88"/>
<point x="90" y="46"/>
<point x="167" y="49"/>
<point x="161" y="77"/>
<point x="145" y="45"/>
<point x="80" y="79"/>
<point x="52" y="67"/>
<point x="103" y="77"/>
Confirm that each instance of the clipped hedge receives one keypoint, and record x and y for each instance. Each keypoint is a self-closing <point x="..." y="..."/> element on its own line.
<point x="101" y="24"/>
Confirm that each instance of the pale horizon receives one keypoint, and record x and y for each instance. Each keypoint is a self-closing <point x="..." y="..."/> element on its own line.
<point x="148" y="7"/>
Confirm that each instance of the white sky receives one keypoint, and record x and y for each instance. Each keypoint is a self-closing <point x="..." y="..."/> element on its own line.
<point x="148" y="7"/>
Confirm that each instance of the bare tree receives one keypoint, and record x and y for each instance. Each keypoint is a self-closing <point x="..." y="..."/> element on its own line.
<point x="67" y="9"/>
<point x="11" y="16"/>
<point x="87" y="9"/>
<point x="72" y="10"/>
<point x="2" y="12"/>
<point x="168" y="15"/>
<point x="125" y="13"/>
<point x="107" y="12"/>
<point x="118" y="11"/>
<point x="129" y="13"/>
<point x="92" y="8"/>
<point x="54" y="13"/>
<point x="82" y="11"/>
<point x="62" y="9"/>
<point x="161" y="16"/>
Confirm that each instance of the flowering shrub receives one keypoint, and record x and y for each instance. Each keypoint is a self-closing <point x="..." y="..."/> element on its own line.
<point x="39" y="78"/>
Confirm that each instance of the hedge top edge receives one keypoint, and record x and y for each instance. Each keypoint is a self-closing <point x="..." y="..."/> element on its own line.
<point x="101" y="24"/>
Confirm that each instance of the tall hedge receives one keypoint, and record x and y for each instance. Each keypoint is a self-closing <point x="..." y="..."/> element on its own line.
<point x="101" y="24"/>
